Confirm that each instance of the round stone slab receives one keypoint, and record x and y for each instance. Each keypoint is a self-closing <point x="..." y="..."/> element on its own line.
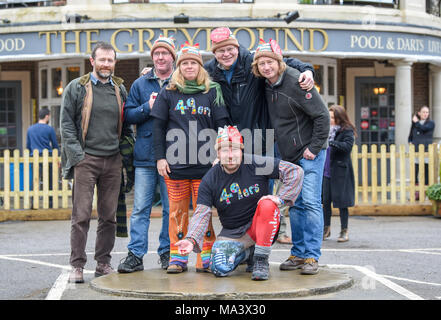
<point x="157" y="284"/>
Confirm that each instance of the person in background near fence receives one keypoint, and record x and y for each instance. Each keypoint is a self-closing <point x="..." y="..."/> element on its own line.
<point x="183" y="110"/>
<point x="91" y="125"/>
<point x="301" y="122"/>
<point x="137" y="111"/>
<point x="421" y="132"/>
<point x="338" y="175"/>
<point x="42" y="136"/>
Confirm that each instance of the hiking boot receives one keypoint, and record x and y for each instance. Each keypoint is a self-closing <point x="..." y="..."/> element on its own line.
<point x="344" y="236"/>
<point x="176" y="268"/>
<point x="326" y="232"/>
<point x="310" y="267"/>
<point x="164" y="259"/>
<point x="76" y="275"/>
<point x="103" y="269"/>
<point x="131" y="263"/>
<point x="250" y="260"/>
<point x="292" y="263"/>
<point x="260" y="268"/>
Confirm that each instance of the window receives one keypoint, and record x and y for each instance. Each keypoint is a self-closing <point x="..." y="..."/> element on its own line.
<point x="53" y="78"/>
<point x="325" y="78"/>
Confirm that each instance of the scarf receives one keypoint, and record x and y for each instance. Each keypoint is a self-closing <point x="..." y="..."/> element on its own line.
<point x="191" y="87"/>
<point x="332" y="131"/>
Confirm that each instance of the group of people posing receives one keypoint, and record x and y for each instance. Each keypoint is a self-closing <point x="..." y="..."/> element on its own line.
<point x="175" y="106"/>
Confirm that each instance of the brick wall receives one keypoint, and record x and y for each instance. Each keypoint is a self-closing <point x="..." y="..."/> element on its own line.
<point x="420" y="73"/>
<point x="31" y="66"/>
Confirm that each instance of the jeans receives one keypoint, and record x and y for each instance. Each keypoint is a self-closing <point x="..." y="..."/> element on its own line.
<point x="146" y="180"/>
<point x="306" y="216"/>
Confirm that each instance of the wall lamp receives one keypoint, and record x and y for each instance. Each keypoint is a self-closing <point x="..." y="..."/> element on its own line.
<point x="76" y="18"/>
<point x="6" y="21"/>
<point x="181" y="18"/>
<point x="290" y="16"/>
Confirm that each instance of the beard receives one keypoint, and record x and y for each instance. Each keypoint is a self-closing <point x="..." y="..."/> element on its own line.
<point x="104" y="74"/>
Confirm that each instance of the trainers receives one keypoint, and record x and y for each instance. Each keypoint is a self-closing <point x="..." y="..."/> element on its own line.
<point x="310" y="267"/>
<point x="164" y="259"/>
<point x="344" y="236"/>
<point x="260" y="268"/>
<point x="292" y="263"/>
<point x="176" y="268"/>
<point x="76" y="275"/>
<point x="131" y="264"/>
<point x="103" y="269"/>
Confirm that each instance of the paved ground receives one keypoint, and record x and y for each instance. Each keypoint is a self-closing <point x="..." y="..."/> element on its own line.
<point x="389" y="258"/>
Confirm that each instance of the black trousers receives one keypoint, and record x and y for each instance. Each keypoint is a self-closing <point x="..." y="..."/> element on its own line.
<point x="327" y="211"/>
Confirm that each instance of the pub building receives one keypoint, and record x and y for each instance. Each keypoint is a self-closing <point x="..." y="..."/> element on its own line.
<point x="380" y="59"/>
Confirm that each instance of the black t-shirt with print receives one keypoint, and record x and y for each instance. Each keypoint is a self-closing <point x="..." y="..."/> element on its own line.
<point x="235" y="196"/>
<point x="188" y="154"/>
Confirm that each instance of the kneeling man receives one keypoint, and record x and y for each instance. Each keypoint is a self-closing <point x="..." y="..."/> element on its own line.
<point x="238" y="188"/>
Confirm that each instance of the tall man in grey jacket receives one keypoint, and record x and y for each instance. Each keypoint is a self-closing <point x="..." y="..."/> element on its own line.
<point x="301" y="122"/>
<point x="91" y="126"/>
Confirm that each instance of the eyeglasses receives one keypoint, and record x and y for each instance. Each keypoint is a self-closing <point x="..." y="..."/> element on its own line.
<point x="163" y="53"/>
<point x="226" y="50"/>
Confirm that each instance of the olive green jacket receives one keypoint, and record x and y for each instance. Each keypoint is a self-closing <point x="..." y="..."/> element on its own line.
<point x="76" y="107"/>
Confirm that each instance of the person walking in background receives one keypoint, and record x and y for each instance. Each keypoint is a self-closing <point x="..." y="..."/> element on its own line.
<point x="42" y="136"/>
<point x="338" y="175"/>
<point x="421" y="132"/>
<point x="301" y="122"/>
<point x="138" y="111"/>
<point x="91" y="125"/>
<point x="183" y="110"/>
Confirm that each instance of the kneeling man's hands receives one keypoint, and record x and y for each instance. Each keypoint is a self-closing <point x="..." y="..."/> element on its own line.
<point x="184" y="246"/>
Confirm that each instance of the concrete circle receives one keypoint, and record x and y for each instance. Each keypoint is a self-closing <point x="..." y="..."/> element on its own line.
<point x="157" y="284"/>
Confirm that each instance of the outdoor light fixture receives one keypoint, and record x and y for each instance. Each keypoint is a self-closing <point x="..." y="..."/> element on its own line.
<point x="6" y="21"/>
<point x="379" y="90"/>
<point x="76" y="18"/>
<point x="181" y="18"/>
<point x="290" y="16"/>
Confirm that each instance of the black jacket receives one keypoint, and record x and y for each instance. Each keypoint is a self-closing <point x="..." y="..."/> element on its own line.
<point x="244" y="96"/>
<point x="300" y="118"/>
<point x="342" y="173"/>
<point x="422" y="133"/>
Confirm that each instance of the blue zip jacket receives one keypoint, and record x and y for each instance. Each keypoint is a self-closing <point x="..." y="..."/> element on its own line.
<point x="137" y="112"/>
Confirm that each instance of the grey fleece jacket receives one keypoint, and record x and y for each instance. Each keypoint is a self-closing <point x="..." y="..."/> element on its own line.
<point x="300" y="118"/>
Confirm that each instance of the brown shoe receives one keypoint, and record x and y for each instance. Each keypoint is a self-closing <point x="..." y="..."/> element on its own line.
<point x="76" y="275"/>
<point x="344" y="236"/>
<point x="310" y="267"/>
<point x="292" y="263"/>
<point x="103" y="269"/>
<point x="326" y="232"/>
<point x="284" y="240"/>
<point x="176" y="268"/>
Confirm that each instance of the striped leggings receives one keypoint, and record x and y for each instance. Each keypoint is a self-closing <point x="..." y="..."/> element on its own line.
<point x="179" y="194"/>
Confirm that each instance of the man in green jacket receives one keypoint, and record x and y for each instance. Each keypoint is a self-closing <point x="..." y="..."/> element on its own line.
<point x="91" y="126"/>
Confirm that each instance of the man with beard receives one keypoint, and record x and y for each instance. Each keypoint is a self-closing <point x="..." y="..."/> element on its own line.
<point x="91" y="126"/>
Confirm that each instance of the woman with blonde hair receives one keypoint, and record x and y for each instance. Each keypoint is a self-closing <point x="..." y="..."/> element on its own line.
<point x="338" y="175"/>
<point x="190" y="104"/>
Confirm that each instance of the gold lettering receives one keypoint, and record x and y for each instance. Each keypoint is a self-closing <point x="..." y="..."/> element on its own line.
<point x="277" y="34"/>
<point x="128" y="45"/>
<point x="261" y="31"/>
<point x="165" y="31"/>
<point x="48" y="39"/>
<point x="208" y="39"/>
<point x="289" y="34"/>
<point x="311" y="39"/>
<point x="141" y="40"/>
<point x="252" y="36"/>
<point x="89" y="40"/>
<point x="64" y="41"/>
